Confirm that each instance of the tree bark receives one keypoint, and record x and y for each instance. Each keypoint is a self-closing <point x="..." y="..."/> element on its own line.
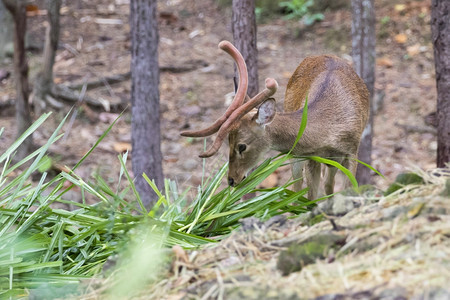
<point x="145" y="122"/>
<point x="23" y="118"/>
<point x="440" y="31"/>
<point x="363" y="54"/>
<point x="6" y="29"/>
<point x="244" y="35"/>
<point x="44" y="82"/>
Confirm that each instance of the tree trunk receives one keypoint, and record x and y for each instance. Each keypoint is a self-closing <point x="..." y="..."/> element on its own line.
<point x="440" y="31"/>
<point x="23" y="117"/>
<point x="243" y="24"/>
<point x="44" y="82"/>
<point x="146" y="136"/>
<point x="244" y="35"/>
<point x="6" y="29"/>
<point x="363" y="54"/>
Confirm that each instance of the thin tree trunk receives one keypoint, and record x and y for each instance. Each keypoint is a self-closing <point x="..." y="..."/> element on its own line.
<point x="243" y="24"/>
<point x="440" y="31"/>
<point x="23" y="117"/>
<point x="363" y="54"/>
<point x="6" y="29"/>
<point x="146" y="136"/>
<point x="44" y="82"/>
<point x="244" y="35"/>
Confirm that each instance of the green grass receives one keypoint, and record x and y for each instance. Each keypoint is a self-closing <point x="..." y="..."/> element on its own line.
<point x="49" y="250"/>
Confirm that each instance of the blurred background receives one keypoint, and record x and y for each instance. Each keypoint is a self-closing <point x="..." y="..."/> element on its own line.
<point x="196" y="82"/>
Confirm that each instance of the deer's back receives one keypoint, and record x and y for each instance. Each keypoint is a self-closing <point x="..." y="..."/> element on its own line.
<point x="316" y="78"/>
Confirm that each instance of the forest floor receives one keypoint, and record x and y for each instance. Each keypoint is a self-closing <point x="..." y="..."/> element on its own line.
<point x="393" y="247"/>
<point x="196" y="77"/>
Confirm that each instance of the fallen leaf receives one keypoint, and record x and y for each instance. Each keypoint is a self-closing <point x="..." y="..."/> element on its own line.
<point x="180" y="254"/>
<point x="64" y="10"/>
<point x="168" y="17"/>
<point x="121" y="147"/>
<point x="401" y="38"/>
<point x="31" y="7"/>
<point x="33" y="10"/>
<point x="170" y="159"/>
<point x="385" y="62"/>
<point x="413" y="50"/>
<point x="270" y="181"/>
<point x="61" y="168"/>
<point x="415" y="211"/>
<point x="106" y="117"/>
<point x="400" y="7"/>
<point x="286" y="74"/>
<point x="195" y="33"/>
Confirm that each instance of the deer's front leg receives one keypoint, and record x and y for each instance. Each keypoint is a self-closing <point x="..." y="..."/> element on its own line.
<point x="329" y="182"/>
<point x="297" y="173"/>
<point x="312" y="178"/>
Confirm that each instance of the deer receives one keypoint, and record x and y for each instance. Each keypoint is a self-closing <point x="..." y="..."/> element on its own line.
<point x="338" y="110"/>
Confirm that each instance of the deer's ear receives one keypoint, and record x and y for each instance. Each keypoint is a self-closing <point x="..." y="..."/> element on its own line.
<point x="266" y="112"/>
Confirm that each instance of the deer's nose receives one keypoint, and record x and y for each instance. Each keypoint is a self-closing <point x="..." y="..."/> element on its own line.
<point x="230" y="181"/>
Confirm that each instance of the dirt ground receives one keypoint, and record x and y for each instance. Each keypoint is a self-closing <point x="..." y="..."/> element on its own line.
<point x="95" y="43"/>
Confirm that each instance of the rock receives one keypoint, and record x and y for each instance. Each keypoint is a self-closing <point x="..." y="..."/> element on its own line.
<point x="446" y="191"/>
<point x="248" y="224"/>
<point x="4" y="74"/>
<point x="388" y="294"/>
<point x="174" y="148"/>
<point x="397" y="293"/>
<point x="262" y="291"/>
<point x="190" y="164"/>
<point x="325" y="206"/>
<point x="342" y="205"/>
<point x="393" y="211"/>
<point x="191" y="110"/>
<point x="305" y="218"/>
<point x="277" y="221"/>
<point x="299" y="255"/>
<point x="163" y="107"/>
<point x="435" y="294"/>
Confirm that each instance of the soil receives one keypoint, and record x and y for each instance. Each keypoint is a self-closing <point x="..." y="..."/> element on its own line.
<point x="95" y="43"/>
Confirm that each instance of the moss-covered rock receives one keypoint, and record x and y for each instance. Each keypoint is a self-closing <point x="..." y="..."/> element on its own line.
<point x="446" y="191"/>
<point x="402" y="180"/>
<point x="299" y="255"/>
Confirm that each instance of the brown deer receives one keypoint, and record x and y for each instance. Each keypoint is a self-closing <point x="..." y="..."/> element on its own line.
<point x="338" y="109"/>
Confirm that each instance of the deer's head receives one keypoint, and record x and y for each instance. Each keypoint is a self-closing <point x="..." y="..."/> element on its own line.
<point x="244" y="125"/>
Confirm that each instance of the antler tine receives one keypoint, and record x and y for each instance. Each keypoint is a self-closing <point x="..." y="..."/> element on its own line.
<point x="271" y="88"/>
<point x="238" y="98"/>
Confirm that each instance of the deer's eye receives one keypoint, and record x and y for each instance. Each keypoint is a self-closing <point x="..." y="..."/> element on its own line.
<point x="241" y="148"/>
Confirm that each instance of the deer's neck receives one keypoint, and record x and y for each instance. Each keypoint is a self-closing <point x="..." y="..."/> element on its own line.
<point x="283" y="131"/>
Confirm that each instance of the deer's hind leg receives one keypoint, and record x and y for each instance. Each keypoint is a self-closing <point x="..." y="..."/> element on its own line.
<point x="350" y="163"/>
<point x="313" y="169"/>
